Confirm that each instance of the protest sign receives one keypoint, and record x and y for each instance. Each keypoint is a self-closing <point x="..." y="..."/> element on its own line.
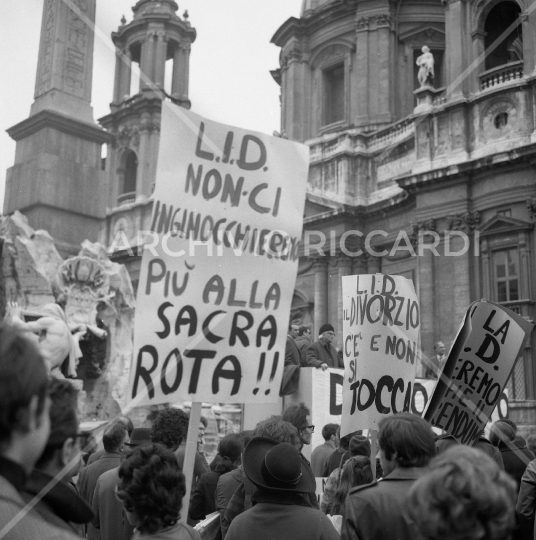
<point x="219" y="268"/>
<point x="489" y="341"/>
<point x="381" y="322"/>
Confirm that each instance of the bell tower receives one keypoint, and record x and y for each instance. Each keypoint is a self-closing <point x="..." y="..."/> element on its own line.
<point x="152" y="64"/>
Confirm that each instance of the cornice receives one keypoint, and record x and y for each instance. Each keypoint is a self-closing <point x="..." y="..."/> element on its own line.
<point x="66" y="124"/>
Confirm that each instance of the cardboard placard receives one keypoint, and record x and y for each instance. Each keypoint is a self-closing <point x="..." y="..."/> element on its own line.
<point x="381" y="321"/>
<point x="489" y="341"/>
<point x="219" y="269"/>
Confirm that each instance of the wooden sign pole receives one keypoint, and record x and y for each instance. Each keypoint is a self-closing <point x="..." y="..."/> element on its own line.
<point x="189" y="457"/>
<point x="373" y="451"/>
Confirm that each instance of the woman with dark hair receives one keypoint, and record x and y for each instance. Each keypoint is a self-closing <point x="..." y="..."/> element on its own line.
<point x="515" y="459"/>
<point x="151" y="489"/>
<point x="463" y="496"/>
<point x="356" y="472"/>
<point x="203" y="501"/>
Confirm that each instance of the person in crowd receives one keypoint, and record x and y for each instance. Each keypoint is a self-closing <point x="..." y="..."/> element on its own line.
<point x="170" y="428"/>
<point x="300" y="417"/>
<point x="203" y="424"/>
<point x="229" y="482"/>
<point x="463" y="496"/>
<point x="282" y="478"/>
<point x="526" y="499"/>
<point x="114" y="438"/>
<point x="323" y="451"/>
<point x="24" y="433"/>
<point x="110" y="518"/>
<point x="358" y="446"/>
<point x="303" y="341"/>
<point x="531" y="443"/>
<point x="321" y="353"/>
<point x="127" y="422"/>
<point x="203" y="501"/>
<point x="338" y="458"/>
<point x="357" y="471"/>
<point x="515" y="459"/>
<point x="435" y="363"/>
<point x="151" y="489"/>
<point x="274" y="428"/>
<point x="379" y="510"/>
<point x="446" y="441"/>
<point x="59" y="502"/>
<point x="291" y="371"/>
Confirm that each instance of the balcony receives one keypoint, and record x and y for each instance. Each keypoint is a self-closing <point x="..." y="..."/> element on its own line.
<point x="501" y="75"/>
<point x="126" y="198"/>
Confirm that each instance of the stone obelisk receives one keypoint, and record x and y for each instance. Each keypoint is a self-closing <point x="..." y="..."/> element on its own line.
<point x="56" y="179"/>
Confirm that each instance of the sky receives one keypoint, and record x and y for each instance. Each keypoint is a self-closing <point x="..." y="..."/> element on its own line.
<point x="230" y="62"/>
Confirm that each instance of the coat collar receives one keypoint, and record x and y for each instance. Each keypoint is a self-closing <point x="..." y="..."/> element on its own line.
<point x="405" y="473"/>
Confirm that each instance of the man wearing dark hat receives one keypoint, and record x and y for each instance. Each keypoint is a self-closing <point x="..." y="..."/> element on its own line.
<point x="321" y="354"/>
<point x="379" y="510"/>
<point x="110" y="518"/>
<point x="282" y="511"/>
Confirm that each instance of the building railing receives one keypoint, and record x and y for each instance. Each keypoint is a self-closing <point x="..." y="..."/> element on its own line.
<point x="126" y="198"/>
<point x="502" y="74"/>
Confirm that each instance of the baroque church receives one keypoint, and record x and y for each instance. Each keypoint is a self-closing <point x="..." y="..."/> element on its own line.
<point x="434" y="181"/>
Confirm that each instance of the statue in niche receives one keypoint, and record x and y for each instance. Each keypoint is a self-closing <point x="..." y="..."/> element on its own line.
<point x="56" y="338"/>
<point x="426" y="67"/>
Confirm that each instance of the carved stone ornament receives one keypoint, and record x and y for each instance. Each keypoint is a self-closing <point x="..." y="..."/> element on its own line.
<point x="127" y="137"/>
<point x="531" y="205"/>
<point x="416" y="228"/>
<point x="466" y="222"/>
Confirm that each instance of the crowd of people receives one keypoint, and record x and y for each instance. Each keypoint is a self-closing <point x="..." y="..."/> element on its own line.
<point x="260" y="484"/>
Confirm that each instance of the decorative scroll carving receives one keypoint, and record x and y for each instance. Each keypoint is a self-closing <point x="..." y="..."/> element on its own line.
<point x="416" y="228"/>
<point x="531" y="205"/>
<point x="128" y="137"/>
<point x="466" y="222"/>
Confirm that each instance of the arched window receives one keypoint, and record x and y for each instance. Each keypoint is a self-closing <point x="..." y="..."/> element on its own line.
<point x="504" y="41"/>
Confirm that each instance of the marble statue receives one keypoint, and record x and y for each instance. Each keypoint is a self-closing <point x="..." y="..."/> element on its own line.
<point x="426" y="67"/>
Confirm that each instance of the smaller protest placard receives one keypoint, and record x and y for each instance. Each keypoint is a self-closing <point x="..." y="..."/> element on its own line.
<point x="381" y="322"/>
<point x="489" y="341"/>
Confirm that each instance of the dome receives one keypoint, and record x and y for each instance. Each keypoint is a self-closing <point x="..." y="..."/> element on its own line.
<point x="311" y="5"/>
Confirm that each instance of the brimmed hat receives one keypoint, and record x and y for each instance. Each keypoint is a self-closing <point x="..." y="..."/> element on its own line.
<point x="277" y="466"/>
<point x="139" y="436"/>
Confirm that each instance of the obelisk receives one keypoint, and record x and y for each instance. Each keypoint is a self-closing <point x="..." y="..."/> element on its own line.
<point x="56" y="179"/>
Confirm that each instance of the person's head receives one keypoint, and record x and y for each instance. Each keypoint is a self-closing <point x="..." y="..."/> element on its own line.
<point x="405" y="440"/>
<point x="355" y="472"/>
<point x="425" y="49"/>
<point x="439" y="348"/>
<point x="329" y="432"/>
<point x="511" y="423"/>
<point x="277" y="429"/>
<point x="169" y="428"/>
<point x="304" y="331"/>
<point x="203" y="423"/>
<point x="531" y="443"/>
<point x="359" y="446"/>
<point x="344" y="442"/>
<point x="24" y="401"/>
<point x="63" y="444"/>
<point x="138" y="437"/>
<point x="293" y="330"/>
<point x="501" y="432"/>
<point x="151" y="488"/>
<point x="127" y="422"/>
<point x="230" y="448"/>
<point x="115" y="436"/>
<point x="327" y="332"/>
<point x="300" y="417"/>
<point x="464" y="496"/>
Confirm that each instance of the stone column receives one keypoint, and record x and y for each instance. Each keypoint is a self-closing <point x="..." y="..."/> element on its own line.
<point x="529" y="41"/>
<point x="457" y="51"/>
<point x="362" y="70"/>
<point x="184" y="82"/>
<point x="175" y="81"/>
<point x="344" y="268"/>
<point x="117" y="77"/>
<point x="147" y="61"/>
<point x="126" y="72"/>
<point x="374" y="265"/>
<point x="160" y="58"/>
<point x="320" y="266"/>
<point x="384" y="69"/>
<point x="359" y="265"/>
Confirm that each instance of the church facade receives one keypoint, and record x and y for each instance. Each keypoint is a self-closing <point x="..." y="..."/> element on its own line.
<point x="431" y="181"/>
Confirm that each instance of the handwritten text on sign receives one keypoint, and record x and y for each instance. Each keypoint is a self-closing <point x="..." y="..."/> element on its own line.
<point x="477" y="368"/>
<point x="381" y="322"/>
<point x="215" y="293"/>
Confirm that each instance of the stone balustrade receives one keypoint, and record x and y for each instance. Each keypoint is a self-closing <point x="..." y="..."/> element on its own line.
<point x="500" y="75"/>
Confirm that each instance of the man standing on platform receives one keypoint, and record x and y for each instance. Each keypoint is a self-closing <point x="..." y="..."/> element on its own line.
<point x="436" y="363"/>
<point x="303" y="341"/>
<point x="321" y="354"/>
<point x="291" y="371"/>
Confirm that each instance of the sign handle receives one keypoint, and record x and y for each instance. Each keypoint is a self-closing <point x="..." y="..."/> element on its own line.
<point x="373" y="451"/>
<point x="189" y="457"/>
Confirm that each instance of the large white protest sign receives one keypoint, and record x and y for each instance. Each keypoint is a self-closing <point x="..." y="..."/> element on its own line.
<point x="381" y="321"/>
<point x="217" y="275"/>
<point x="489" y="341"/>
